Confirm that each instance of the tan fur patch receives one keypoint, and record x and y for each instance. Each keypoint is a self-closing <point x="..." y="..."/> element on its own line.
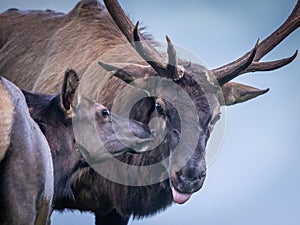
<point x="6" y="119"/>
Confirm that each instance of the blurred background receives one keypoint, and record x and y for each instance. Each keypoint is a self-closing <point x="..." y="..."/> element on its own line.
<point x="255" y="179"/>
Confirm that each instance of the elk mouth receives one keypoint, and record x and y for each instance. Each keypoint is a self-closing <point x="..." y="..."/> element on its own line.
<point x="183" y="188"/>
<point x="180" y="198"/>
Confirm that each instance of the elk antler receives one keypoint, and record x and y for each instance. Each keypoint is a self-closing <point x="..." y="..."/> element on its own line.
<point x="147" y="52"/>
<point x="142" y="46"/>
<point x="172" y="58"/>
<point x="242" y="65"/>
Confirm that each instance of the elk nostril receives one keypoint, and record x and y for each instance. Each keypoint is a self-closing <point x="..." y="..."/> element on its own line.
<point x="191" y="175"/>
<point x="105" y="113"/>
<point x="178" y="173"/>
<point x="202" y="175"/>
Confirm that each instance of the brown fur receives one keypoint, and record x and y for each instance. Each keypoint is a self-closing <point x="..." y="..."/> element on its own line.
<point x="6" y="119"/>
<point x="79" y="40"/>
<point x="76" y="184"/>
<point x="26" y="170"/>
<point x="89" y="17"/>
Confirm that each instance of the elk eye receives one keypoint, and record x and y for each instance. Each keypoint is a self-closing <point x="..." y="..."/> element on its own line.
<point x="159" y="109"/>
<point x="105" y="113"/>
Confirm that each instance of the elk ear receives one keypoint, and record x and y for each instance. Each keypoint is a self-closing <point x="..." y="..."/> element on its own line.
<point x="128" y="72"/>
<point x="68" y="98"/>
<point x="236" y="93"/>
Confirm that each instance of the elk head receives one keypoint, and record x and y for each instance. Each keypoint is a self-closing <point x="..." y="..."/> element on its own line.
<point x="208" y="90"/>
<point x="93" y="128"/>
<point x="89" y="123"/>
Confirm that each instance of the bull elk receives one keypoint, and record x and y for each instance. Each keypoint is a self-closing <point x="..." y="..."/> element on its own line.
<point x="82" y="40"/>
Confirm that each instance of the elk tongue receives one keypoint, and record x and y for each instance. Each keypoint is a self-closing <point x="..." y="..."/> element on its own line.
<point x="179" y="197"/>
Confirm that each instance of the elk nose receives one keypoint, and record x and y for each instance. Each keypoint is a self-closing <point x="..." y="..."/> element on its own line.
<point x="191" y="175"/>
<point x="188" y="180"/>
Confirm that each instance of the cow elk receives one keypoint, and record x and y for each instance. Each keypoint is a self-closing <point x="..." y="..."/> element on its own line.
<point x="26" y="170"/>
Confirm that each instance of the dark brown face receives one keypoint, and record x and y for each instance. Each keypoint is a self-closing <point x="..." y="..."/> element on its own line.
<point x="187" y="167"/>
<point x="80" y="123"/>
<point x="186" y="110"/>
<point x="185" y="133"/>
<point x="97" y="132"/>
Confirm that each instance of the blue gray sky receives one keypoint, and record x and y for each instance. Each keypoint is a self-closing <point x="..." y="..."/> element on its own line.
<point x="255" y="178"/>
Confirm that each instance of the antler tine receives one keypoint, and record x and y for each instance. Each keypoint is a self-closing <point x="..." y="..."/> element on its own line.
<point x="269" y="43"/>
<point x="169" y="70"/>
<point x="234" y="70"/>
<point x="172" y="59"/>
<point x="271" y="65"/>
<point x="171" y="52"/>
<point x="144" y="53"/>
<point x="148" y="52"/>
<point x="142" y="46"/>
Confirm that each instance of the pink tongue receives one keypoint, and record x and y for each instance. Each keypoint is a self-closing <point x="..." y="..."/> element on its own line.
<point x="180" y="198"/>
